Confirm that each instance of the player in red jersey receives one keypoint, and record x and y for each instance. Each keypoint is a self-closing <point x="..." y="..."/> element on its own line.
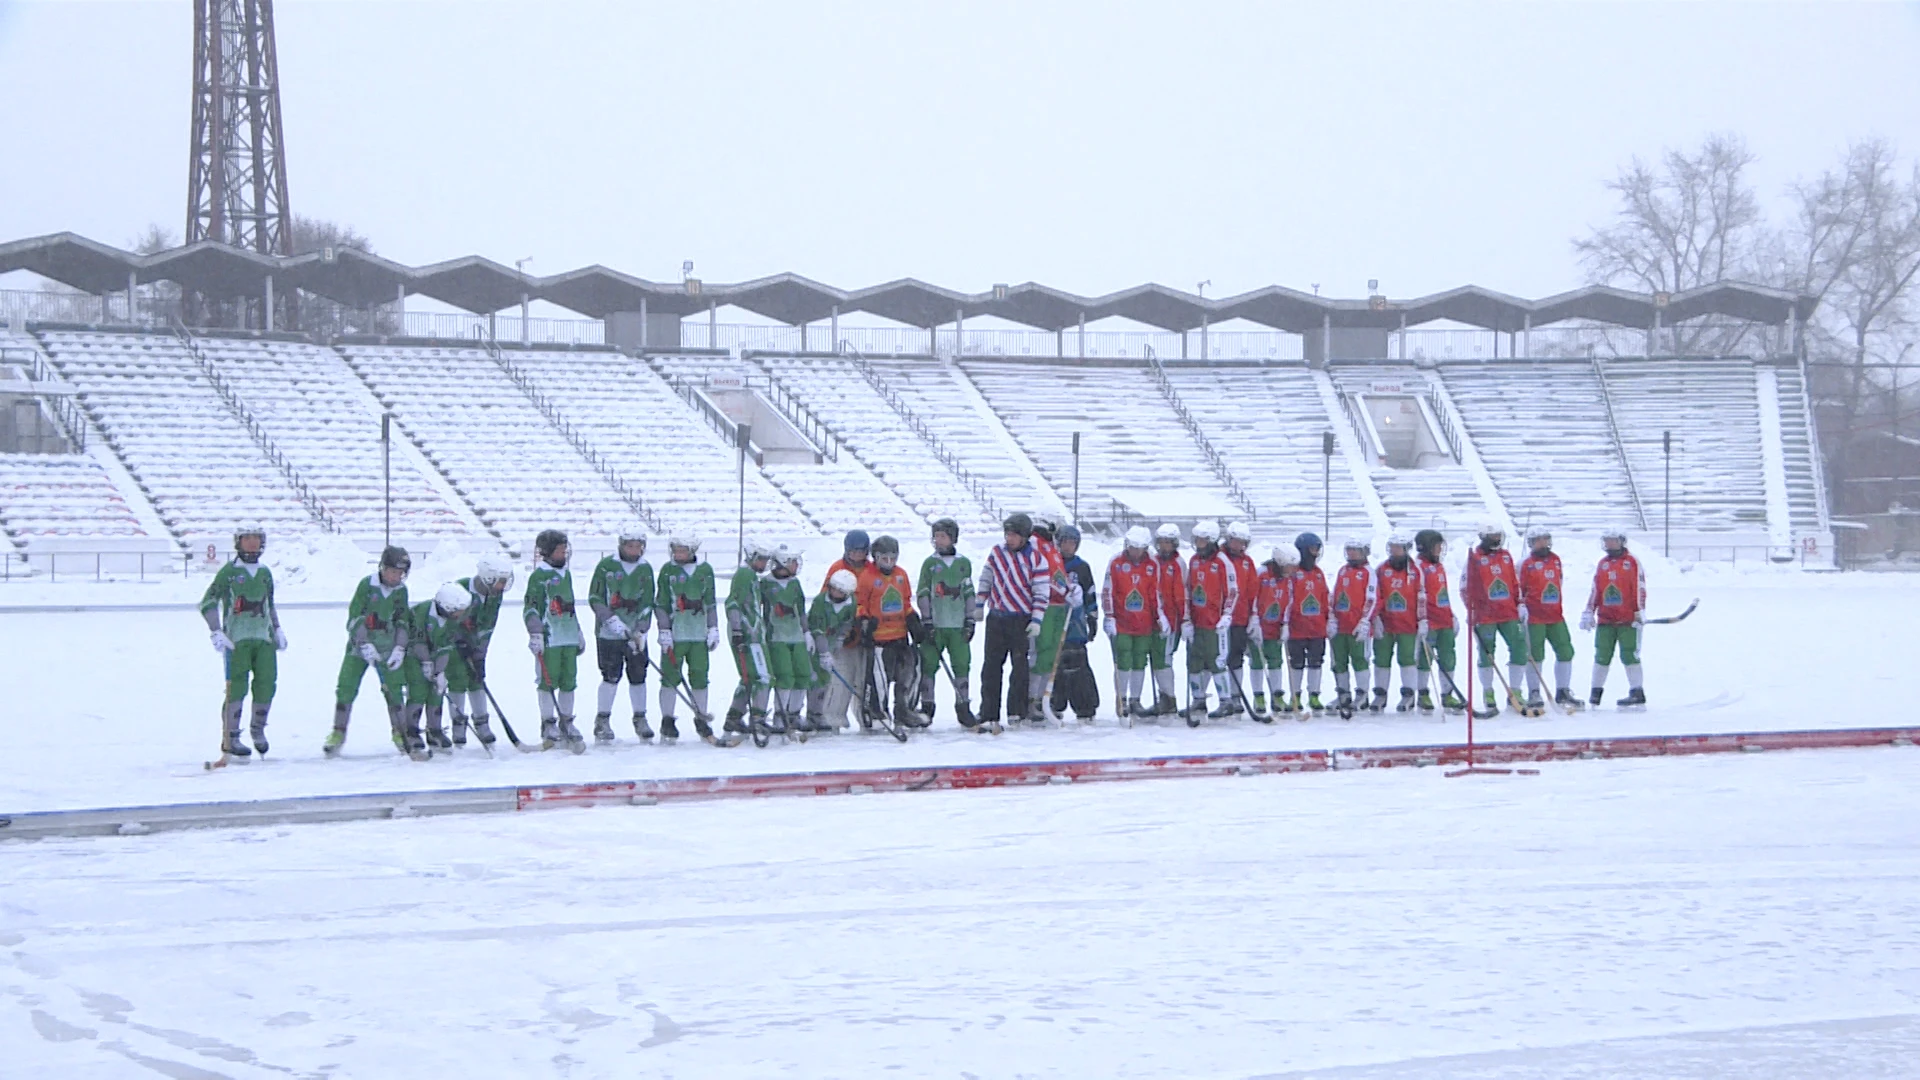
<point x="1399" y="619"/>
<point x="1212" y="592"/>
<point x="1307" y="602"/>
<point x="1130" y="596"/>
<point x="1439" y="629"/>
<point x="1494" y="608"/>
<point x="1246" y="579"/>
<point x="1353" y="604"/>
<point x="1542" y="584"/>
<point x="1618" y="607"/>
<point x="1269" y="625"/>
<point x="1173" y="617"/>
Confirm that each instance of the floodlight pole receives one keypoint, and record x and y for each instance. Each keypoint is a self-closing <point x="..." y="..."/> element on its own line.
<point x="1076" y="478"/>
<point x="386" y="468"/>
<point x="744" y="435"/>
<point x="1666" y="542"/>
<point x="1326" y="486"/>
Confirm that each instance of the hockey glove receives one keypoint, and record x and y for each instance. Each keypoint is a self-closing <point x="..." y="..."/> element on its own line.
<point x="537" y="644"/>
<point x="395" y="658"/>
<point x="665" y="637"/>
<point x="1107" y="625"/>
<point x="1426" y="632"/>
<point x="221" y="642"/>
<point x="1639" y="619"/>
<point x="1186" y="633"/>
<point x="370" y="654"/>
<point x="1586" y="620"/>
<point x="1523" y="615"/>
<point x="713" y="637"/>
<point x="737" y="639"/>
<point x="968" y="630"/>
<point x="1033" y="630"/>
<point x="1375" y="630"/>
<point x="280" y="639"/>
<point x="826" y="661"/>
<point x="614" y="627"/>
<point x="1255" y="635"/>
<point x="916" y="629"/>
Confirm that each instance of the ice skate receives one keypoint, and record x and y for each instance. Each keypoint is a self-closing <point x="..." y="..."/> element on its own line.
<point x="1406" y="700"/>
<point x="575" y="743"/>
<point x="603" y="728"/>
<point x="1636" y="699"/>
<point x="641" y="729"/>
<point x="1426" y="700"/>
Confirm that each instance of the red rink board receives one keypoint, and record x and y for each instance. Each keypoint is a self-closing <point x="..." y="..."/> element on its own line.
<point x="1025" y="774"/>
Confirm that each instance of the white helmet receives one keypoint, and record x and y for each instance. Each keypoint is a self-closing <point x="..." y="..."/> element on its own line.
<point x="786" y="556"/>
<point x="1205" y="530"/>
<point x="452" y="597"/>
<point x="1286" y="554"/>
<point x="1400" y="539"/>
<point x="684" y="540"/>
<point x="1614" y="532"/>
<point x="1138" y="537"/>
<point x="759" y="549"/>
<point x="1360" y="542"/>
<point x="1168" y="531"/>
<point x="843" y="580"/>
<point x="1488" y="528"/>
<point x="1539" y="532"/>
<point x="494" y="569"/>
<point x="1239" y="530"/>
<point x="634" y="531"/>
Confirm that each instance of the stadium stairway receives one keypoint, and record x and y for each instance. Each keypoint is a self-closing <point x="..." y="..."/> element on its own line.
<point x="880" y="437"/>
<point x="1712" y="408"/>
<point x="1806" y="489"/>
<point x="1443" y="495"/>
<point x="185" y="448"/>
<point x="1542" y="432"/>
<point x="1134" y="452"/>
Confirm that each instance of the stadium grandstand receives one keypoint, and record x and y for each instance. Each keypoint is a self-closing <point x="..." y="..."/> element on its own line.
<point x="143" y="426"/>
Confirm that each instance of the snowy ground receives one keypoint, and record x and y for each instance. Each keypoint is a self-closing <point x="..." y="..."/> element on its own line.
<point x="120" y="708"/>
<point x="1738" y="915"/>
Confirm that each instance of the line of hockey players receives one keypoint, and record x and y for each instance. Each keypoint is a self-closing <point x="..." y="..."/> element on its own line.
<point x="872" y="640"/>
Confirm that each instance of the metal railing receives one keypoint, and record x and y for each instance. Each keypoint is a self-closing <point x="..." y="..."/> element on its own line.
<point x="1214" y="459"/>
<point x="462" y="326"/>
<point x="1619" y="445"/>
<point x="810" y="426"/>
<point x="66" y="412"/>
<point x="688" y="387"/>
<point x="1363" y="431"/>
<point x="1813" y="448"/>
<point x="1442" y="419"/>
<point x="46" y="566"/>
<point x="628" y="493"/>
<point x="231" y="398"/>
<point x="919" y="427"/>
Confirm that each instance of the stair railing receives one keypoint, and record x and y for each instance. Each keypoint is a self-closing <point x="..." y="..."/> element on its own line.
<point x="919" y="427"/>
<point x="1214" y="458"/>
<point x="1619" y="445"/>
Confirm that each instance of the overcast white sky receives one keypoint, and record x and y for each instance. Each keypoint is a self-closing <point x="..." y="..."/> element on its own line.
<point x="1091" y="146"/>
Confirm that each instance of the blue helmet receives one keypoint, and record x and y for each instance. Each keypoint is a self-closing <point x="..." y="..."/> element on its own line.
<point x="1069" y="532"/>
<point x="856" y="540"/>
<point x="1307" y="540"/>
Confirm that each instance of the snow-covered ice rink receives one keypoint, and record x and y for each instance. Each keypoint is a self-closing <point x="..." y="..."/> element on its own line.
<point x="1743" y="915"/>
<point x="1738" y="915"/>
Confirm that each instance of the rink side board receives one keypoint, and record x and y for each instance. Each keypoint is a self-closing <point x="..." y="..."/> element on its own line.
<point x="139" y="820"/>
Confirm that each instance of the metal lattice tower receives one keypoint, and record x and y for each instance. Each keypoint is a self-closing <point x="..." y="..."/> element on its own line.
<point x="237" y="180"/>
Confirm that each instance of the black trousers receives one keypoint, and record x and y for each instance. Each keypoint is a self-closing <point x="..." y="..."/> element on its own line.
<point x="1006" y="640"/>
<point x="1074" y="684"/>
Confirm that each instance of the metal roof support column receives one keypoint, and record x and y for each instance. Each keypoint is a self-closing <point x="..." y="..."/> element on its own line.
<point x="1526" y="323"/>
<point x="1205" y="353"/>
<point x="400" y="308"/>
<point x="1403" y="335"/>
<point x="1326" y="338"/>
<point x="1653" y="333"/>
<point x="803" y="337"/>
<point x="1083" y="335"/>
<point x="130" y="298"/>
<point x="526" y="335"/>
<point x="103" y="309"/>
<point x="266" y="317"/>
<point x="713" y="325"/>
<point x="1183" y="344"/>
<point x="1060" y="342"/>
<point x="959" y="333"/>
<point x="933" y="341"/>
<point x="833" y="328"/>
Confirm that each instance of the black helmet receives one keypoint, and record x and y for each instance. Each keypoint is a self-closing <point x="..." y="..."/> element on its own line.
<point x="1307" y="540"/>
<point x="1428" y="541"/>
<point x="1019" y="525"/>
<point x="548" y="541"/>
<point x="396" y="558"/>
<point x="948" y="526"/>
<point x="886" y="545"/>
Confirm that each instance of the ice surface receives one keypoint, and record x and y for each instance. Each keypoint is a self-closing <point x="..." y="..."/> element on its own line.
<point x="1749" y="915"/>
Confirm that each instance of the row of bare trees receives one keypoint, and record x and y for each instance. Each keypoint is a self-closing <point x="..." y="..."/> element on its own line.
<point x="315" y="314"/>
<point x="1849" y="237"/>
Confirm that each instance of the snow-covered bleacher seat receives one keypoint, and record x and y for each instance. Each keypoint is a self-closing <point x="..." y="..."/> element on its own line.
<point x="61" y="495"/>
<point x="182" y="444"/>
<point x="681" y="467"/>
<point x="517" y="470"/>
<point x="1133" y="448"/>
<point x="317" y="412"/>
<point x="1442" y="495"/>
<point x="1713" y="409"/>
<point x="1797" y="449"/>
<point x="947" y="402"/>
<point x="835" y="391"/>
<point x="1267" y="421"/>
<point x="1541" y="429"/>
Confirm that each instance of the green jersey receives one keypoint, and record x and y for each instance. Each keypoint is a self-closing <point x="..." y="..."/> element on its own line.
<point x="243" y="595"/>
<point x="548" y="607"/>
<point x="785" y="603"/>
<point x="945" y="591"/>
<point x="377" y="615"/>
<point x="432" y="635"/>
<point x="743" y="601"/>
<point x="481" y="616"/>
<point x="623" y="589"/>
<point x="829" y="620"/>
<point x="684" y="598"/>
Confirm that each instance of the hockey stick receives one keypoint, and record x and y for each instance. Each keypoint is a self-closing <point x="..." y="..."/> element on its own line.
<point x="1433" y="664"/>
<point x="680" y="692"/>
<point x="226" y="699"/>
<point x="864" y="710"/>
<point x="1670" y="619"/>
<point x="504" y="725"/>
<point x="877" y="677"/>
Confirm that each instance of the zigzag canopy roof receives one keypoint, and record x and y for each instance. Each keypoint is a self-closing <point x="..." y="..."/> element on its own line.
<point x="481" y="285"/>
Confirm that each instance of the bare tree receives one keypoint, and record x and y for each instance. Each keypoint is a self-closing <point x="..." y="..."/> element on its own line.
<point x="1689" y="221"/>
<point x="326" y="317"/>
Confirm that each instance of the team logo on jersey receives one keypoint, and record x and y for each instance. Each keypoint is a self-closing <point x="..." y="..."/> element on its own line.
<point x="1342" y="603"/>
<point x="1550" y="594"/>
<point x="1272" y="614"/>
<point x="1136" y="602"/>
<point x="781" y="610"/>
<point x="1396" y="602"/>
<point x="941" y="590"/>
<point x="1445" y="599"/>
<point x="1310" y="606"/>
<point x="1199" y="594"/>
<point x="891" y="602"/>
<point x="1498" y="590"/>
<point x="1612" y="595"/>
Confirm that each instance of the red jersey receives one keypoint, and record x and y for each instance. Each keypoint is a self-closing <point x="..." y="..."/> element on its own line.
<point x="1212" y="591"/>
<point x="1131" y="595"/>
<point x="1541" y="580"/>
<point x="887" y="600"/>
<point x="1437" y="598"/>
<point x="1056" y="569"/>
<point x="1173" y="592"/>
<point x="1493" y="587"/>
<point x="1246" y="579"/>
<point x="1399" y="603"/>
<point x="1270" y="603"/>
<point x="1353" y="598"/>
<point x="1307" y="602"/>
<point x="1619" y="590"/>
